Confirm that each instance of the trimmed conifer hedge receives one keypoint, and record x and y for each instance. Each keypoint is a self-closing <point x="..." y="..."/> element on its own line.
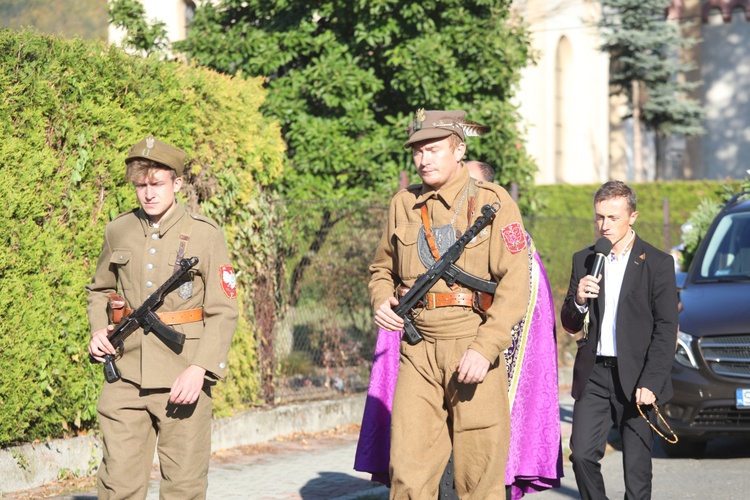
<point x="69" y="111"/>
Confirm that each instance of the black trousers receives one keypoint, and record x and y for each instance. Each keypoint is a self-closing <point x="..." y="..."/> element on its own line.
<point x="602" y="405"/>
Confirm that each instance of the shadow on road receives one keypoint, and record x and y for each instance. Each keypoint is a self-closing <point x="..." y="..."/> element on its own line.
<point x="566" y="491"/>
<point x="334" y="484"/>
<point x="717" y="449"/>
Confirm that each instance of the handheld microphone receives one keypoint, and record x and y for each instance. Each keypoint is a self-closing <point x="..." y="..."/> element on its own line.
<point x="602" y="248"/>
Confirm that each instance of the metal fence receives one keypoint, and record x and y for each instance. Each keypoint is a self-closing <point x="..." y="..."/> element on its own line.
<point x="324" y="337"/>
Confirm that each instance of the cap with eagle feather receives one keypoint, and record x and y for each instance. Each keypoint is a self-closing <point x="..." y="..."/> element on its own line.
<point x="436" y="124"/>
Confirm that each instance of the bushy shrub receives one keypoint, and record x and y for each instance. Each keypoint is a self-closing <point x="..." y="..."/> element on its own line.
<point x="70" y="111"/>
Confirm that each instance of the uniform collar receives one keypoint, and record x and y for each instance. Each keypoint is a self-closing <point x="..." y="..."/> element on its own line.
<point x="173" y="215"/>
<point x="449" y="192"/>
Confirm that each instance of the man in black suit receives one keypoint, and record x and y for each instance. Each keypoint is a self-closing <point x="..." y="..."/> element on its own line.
<point x="629" y="313"/>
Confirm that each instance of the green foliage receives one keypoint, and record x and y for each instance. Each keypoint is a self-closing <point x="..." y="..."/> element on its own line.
<point x="345" y="77"/>
<point x="698" y="224"/>
<point x="70" y="112"/>
<point x="130" y="15"/>
<point x="700" y="220"/>
<point x="644" y="48"/>
<point x="577" y="200"/>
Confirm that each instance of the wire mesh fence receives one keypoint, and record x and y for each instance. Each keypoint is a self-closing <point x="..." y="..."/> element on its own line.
<point x="324" y="336"/>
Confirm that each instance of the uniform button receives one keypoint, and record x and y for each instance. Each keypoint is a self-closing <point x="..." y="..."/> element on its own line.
<point x="222" y="365"/>
<point x="155" y="236"/>
<point x="121" y="257"/>
<point x="152" y="251"/>
<point x="149" y="266"/>
<point x="149" y="284"/>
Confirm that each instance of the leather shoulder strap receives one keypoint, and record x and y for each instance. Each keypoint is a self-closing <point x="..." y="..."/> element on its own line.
<point x="187" y="227"/>
<point x="472" y="199"/>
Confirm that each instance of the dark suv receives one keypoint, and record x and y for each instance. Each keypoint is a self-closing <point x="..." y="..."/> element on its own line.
<point x="711" y="372"/>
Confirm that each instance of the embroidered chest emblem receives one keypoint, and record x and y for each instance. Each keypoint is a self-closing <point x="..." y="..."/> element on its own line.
<point x="445" y="236"/>
<point x="186" y="290"/>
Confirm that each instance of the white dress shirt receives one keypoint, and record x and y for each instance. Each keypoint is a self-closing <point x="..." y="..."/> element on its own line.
<point x="614" y="270"/>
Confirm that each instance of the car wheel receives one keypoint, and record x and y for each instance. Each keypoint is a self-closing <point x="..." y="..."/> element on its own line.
<point x="685" y="449"/>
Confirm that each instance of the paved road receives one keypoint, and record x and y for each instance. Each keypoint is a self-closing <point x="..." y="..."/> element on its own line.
<point x="319" y="467"/>
<point x="300" y="467"/>
<point x="721" y="474"/>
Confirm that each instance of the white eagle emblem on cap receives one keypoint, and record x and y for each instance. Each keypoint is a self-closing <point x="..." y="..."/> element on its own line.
<point x="150" y="142"/>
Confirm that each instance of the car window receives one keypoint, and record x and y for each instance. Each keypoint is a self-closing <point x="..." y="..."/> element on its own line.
<point x="728" y="252"/>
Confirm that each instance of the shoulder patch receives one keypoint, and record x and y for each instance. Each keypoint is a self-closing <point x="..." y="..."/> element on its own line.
<point x="514" y="237"/>
<point x="228" y="281"/>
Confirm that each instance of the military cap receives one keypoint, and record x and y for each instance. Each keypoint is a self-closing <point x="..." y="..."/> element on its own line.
<point x="160" y="152"/>
<point x="437" y="124"/>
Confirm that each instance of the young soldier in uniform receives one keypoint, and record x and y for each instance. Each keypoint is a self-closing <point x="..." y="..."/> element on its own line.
<point x="452" y="387"/>
<point x="164" y="391"/>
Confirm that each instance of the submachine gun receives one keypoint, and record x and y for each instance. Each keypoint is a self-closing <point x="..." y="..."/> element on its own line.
<point x="145" y="317"/>
<point x="445" y="268"/>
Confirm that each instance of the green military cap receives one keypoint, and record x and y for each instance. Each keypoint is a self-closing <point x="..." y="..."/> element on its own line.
<point x="437" y="124"/>
<point x="160" y="152"/>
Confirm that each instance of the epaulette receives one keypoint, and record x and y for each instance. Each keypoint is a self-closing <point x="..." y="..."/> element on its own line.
<point x="491" y="186"/>
<point x="129" y="212"/>
<point x="203" y="218"/>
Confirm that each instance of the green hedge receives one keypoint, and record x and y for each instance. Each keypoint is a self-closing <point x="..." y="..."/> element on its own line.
<point x="69" y="112"/>
<point x="566" y="225"/>
<point x="566" y="200"/>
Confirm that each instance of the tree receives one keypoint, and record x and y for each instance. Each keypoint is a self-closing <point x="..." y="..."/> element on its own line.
<point x="644" y="48"/>
<point x="346" y="76"/>
<point x="142" y="36"/>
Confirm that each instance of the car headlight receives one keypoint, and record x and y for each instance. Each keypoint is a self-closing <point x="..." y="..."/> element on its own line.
<point x="684" y="354"/>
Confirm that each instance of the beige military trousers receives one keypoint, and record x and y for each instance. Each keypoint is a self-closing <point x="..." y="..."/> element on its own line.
<point x="429" y="405"/>
<point x="132" y="420"/>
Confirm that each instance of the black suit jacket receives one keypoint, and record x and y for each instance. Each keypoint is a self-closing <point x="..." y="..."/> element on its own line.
<point x="646" y="327"/>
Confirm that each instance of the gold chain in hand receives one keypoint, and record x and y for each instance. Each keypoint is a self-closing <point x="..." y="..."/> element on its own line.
<point x="658" y="414"/>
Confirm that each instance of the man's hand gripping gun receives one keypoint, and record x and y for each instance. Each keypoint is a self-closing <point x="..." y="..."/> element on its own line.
<point x="445" y="268"/>
<point x="145" y="317"/>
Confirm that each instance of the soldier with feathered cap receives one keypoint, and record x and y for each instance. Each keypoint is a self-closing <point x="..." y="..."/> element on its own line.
<point x="452" y="387"/>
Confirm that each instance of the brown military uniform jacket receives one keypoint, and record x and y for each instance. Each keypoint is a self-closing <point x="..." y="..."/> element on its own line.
<point x="135" y="260"/>
<point x="498" y="253"/>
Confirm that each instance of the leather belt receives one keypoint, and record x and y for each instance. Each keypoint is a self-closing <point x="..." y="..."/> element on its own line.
<point x="607" y="361"/>
<point x="478" y="300"/>
<point x="177" y="317"/>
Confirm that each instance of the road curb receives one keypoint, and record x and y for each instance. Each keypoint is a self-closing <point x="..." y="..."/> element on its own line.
<point x="35" y="464"/>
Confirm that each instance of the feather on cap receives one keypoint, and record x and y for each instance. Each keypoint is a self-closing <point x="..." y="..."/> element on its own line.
<point x="437" y="124"/>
